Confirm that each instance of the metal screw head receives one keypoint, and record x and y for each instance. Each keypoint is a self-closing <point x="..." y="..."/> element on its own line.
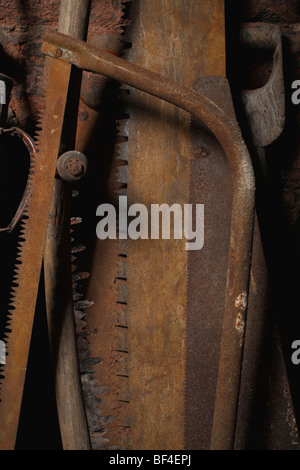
<point x="75" y="167"/>
<point x="72" y="166"/>
<point x="57" y="52"/>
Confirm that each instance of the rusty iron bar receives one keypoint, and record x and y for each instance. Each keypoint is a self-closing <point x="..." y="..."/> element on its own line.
<point x="229" y="136"/>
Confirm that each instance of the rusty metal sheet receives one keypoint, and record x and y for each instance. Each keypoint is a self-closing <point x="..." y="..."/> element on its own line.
<point x="210" y="182"/>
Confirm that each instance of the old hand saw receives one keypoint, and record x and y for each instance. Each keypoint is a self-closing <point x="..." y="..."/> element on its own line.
<point x="31" y="247"/>
<point x="62" y="53"/>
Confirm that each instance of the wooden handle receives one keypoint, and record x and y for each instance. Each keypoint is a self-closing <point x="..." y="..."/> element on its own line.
<point x="74" y="17"/>
<point x="73" y="20"/>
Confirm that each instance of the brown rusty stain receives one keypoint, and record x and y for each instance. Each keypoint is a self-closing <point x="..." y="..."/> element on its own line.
<point x="106" y="16"/>
<point x="44" y="14"/>
<point x="123" y="430"/>
<point x="117" y="407"/>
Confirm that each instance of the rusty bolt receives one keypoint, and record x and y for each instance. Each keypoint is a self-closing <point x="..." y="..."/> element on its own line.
<point x="75" y="167"/>
<point x="72" y="166"/>
<point x="57" y="53"/>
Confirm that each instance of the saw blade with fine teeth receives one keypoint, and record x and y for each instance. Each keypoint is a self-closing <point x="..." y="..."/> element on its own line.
<point x="31" y="245"/>
<point x="152" y="281"/>
<point x="102" y="329"/>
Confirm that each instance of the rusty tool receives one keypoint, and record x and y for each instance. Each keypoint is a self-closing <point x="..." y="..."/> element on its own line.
<point x="29" y="144"/>
<point x="95" y="315"/>
<point x="30" y="253"/>
<point x="265" y="111"/>
<point x="6" y="86"/>
<point x="154" y="155"/>
<point x="72" y="51"/>
<point x="62" y="51"/>
<point x="78" y="53"/>
<point x="263" y="117"/>
<point x="71" y="165"/>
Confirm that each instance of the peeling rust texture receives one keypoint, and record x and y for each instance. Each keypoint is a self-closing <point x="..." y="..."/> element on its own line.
<point x="22" y="27"/>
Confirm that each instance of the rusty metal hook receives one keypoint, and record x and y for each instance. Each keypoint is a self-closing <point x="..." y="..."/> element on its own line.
<point x="29" y="144"/>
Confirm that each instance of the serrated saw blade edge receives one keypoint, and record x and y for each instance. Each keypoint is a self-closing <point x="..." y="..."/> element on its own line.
<point x="56" y="75"/>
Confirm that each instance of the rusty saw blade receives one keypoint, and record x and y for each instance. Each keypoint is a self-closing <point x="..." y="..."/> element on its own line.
<point x="138" y="318"/>
<point x="140" y="307"/>
<point x="31" y="246"/>
<point x="188" y="43"/>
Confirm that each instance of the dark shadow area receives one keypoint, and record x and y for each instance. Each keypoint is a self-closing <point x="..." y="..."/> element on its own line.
<point x="38" y="425"/>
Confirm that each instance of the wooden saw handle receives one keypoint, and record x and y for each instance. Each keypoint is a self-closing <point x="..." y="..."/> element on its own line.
<point x="73" y="20"/>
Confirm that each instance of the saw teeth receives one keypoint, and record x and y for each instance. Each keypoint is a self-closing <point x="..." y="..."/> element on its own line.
<point x="123" y="174"/>
<point x="123" y="127"/>
<point x="77" y="296"/>
<point x="78" y="249"/>
<point x="80" y="276"/>
<point x="7" y="328"/>
<point x="121" y="152"/>
<point x="76" y="220"/>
